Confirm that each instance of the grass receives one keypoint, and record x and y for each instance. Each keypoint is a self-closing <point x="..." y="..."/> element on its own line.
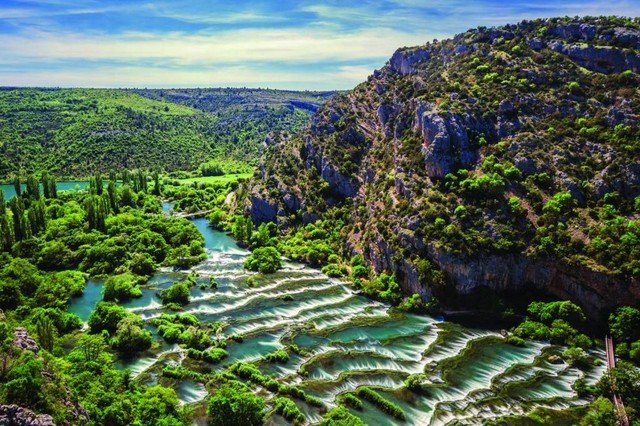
<point x="233" y="177"/>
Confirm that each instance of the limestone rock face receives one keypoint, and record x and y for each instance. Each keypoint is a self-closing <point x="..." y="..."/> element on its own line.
<point x="601" y="59"/>
<point x="22" y="340"/>
<point x="498" y="109"/>
<point x="403" y="61"/>
<point x="446" y="140"/>
<point x="13" y="415"/>
<point x="262" y="210"/>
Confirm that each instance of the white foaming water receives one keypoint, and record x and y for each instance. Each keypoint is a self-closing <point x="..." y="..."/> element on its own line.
<point x="351" y="341"/>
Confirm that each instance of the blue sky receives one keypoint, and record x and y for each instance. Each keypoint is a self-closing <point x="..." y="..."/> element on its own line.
<point x="255" y="43"/>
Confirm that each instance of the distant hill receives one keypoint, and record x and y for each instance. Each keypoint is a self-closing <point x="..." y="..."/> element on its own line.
<point x="76" y="132"/>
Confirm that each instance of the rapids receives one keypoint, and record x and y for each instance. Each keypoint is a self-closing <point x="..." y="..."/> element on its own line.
<point x="351" y="341"/>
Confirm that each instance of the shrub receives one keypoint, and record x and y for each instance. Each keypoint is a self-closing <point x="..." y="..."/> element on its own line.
<point x="376" y="399"/>
<point x="288" y="409"/>
<point x="264" y="259"/>
<point x="279" y="355"/>
<point x="177" y="293"/>
<point x="351" y="400"/>
<point x="233" y="404"/>
<point x="122" y="287"/>
<point x="340" y="416"/>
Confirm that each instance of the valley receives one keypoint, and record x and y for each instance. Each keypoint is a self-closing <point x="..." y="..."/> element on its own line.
<point x="451" y="242"/>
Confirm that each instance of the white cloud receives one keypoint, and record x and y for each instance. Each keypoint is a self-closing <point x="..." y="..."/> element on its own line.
<point x="339" y="78"/>
<point x="301" y="45"/>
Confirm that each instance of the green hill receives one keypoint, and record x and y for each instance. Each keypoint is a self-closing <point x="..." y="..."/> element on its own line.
<point x="76" y="132"/>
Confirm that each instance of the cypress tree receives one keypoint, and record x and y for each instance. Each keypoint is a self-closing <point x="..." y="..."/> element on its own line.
<point x="33" y="187"/>
<point x="17" y="186"/>
<point x="17" y="210"/>
<point x="113" y="196"/>
<point x="45" y="185"/>
<point x="126" y="177"/>
<point x="49" y="186"/>
<point x="99" y="187"/>
<point x="26" y="226"/>
<point x="3" y="205"/>
<point x="53" y="188"/>
<point x="5" y="233"/>
<point x="157" y="189"/>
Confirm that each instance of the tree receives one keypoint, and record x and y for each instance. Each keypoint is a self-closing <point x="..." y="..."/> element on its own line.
<point x="601" y="412"/>
<point x="106" y="316"/>
<point x="243" y="229"/>
<point x="178" y="293"/>
<point x="17" y="210"/>
<point x="130" y="337"/>
<point x="46" y="333"/>
<point x="113" y="197"/>
<point x="17" y="186"/>
<point x="624" y="324"/>
<point x="6" y="236"/>
<point x="157" y="187"/>
<point x="142" y="264"/>
<point x="54" y="255"/>
<point x="233" y="404"/>
<point x="49" y="186"/>
<point x="33" y="188"/>
<point x="121" y="287"/>
<point x="3" y="204"/>
<point x="158" y="405"/>
<point x="264" y="259"/>
<point x="25" y="381"/>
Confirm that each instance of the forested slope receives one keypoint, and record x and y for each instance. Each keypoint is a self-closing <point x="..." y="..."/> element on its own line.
<point x="76" y="132"/>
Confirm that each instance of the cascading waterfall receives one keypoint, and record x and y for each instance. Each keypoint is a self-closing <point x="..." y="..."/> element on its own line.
<point x="350" y="341"/>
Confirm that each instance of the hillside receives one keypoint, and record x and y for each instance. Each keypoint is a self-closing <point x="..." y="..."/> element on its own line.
<point x="505" y="158"/>
<point x="76" y="132"/>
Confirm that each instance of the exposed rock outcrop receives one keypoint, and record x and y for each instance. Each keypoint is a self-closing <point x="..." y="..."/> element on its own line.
<point x="22" y="340"/>
<point x="449" y="153"/>
<point x="13" y="415"/>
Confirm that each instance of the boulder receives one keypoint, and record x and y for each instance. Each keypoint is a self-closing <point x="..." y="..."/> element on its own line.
<point x="13" y="415"/>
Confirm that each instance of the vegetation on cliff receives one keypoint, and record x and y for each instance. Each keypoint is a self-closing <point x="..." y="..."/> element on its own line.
<point x="518" y="144"/>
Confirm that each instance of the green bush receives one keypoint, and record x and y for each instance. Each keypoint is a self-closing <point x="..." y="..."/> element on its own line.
<point x="264" y="259"/>
<point x="233" y="404"/>
<point x="288" y="409"/>
<point x="376" y="399"/>
<point x="279" y="355"/>
<point x="122" y="287"/>
<point x="340" y="416"/>
<point x="178" y="293"/>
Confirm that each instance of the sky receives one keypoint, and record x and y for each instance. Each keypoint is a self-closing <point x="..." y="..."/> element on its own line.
<point x="282" y="44"/>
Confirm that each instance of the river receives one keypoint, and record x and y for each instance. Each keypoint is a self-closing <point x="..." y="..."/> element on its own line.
<point x="70" y="185"/>
<point x="352" y="341"/>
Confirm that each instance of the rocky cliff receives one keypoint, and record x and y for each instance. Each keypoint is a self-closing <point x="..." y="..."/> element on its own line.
<point x="507" y="157"/>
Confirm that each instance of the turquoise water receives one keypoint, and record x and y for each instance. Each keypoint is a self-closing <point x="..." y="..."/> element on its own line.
<point x="470" y="375"/>
<point x="10" y="192"/>
<point x="82" y="306"/>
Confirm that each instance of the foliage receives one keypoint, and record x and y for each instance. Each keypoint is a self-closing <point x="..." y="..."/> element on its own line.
<point x="264" y="259"/>
<point x="130" y="336"/>
<point x="340" y="416"/>
<point x="288" y="409"/>
<point x="177" y="293"/>
<point x="279" y="355"/>
<point x="122" y="287"/>
<point x="376" y="399"/>
<point x="233" y="404"/>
